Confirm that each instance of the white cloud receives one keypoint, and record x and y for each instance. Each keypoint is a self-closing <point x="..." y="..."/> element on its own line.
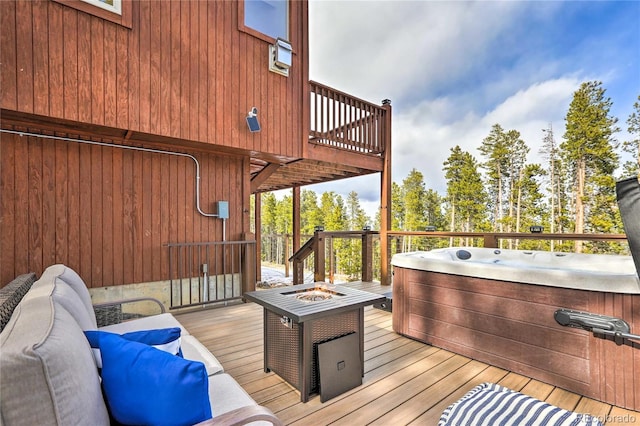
<point x="394" y="49"/>
<point x="452" y="70"/>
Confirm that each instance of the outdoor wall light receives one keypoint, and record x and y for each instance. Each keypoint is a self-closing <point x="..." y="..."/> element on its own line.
<point x="252" y="120"/>
<point x="280" y="57"/>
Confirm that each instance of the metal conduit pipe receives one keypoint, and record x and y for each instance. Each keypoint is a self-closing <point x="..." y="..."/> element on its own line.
<point x="134" y="148"/>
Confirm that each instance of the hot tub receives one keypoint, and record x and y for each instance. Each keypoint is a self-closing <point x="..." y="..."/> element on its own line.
<point x="497" y="306"/>
<point x="597" y="272"/>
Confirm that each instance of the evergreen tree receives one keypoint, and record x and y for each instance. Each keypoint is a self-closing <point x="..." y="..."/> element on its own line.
<point x="397" y="207"/>
<point x="310" y="214"/>
<point x="531" y="205"/>
<point x="284" y="226"/>
<point x="433" y="210"/>
<point x="352" y="253"/>
<point x="549" y="151"/>
<point x="633" y="146"/>
<point x="414" y="201"/>
<point x="495" y="149"/>
<point x="268" y="215"/>
<point x="517" y="156"/>
<point x="413" y="197"/>
<point x="588" y="150"/>
<point x="465" y="192"/>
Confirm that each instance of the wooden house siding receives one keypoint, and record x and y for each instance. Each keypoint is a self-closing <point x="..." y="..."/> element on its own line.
<point x="184" y="70"/>
<point x="108" y="212"/>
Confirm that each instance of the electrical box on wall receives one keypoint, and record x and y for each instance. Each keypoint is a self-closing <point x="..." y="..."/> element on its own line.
<point x="223" y="209"/>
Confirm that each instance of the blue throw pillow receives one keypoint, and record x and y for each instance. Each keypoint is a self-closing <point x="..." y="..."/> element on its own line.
<point x="165" y="339"/>
<point x="147" y="386"/>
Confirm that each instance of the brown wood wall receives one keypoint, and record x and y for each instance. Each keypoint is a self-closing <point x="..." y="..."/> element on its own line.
<point x="185" y="73"/>
<point x="511" y="325"/>
<point x="107" y="212"/>
<point x="184" y="70"/>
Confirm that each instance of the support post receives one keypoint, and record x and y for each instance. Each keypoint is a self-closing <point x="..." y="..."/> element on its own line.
<point x="385" y="195"/>
<point x="367" y="256"/>
<point x="258" y="228"/>
<point x="296" y="222"/>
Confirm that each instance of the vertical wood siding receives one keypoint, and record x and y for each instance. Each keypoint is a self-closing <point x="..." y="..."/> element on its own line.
<point x="107" y="212"/>
<point x="183" y="70"/>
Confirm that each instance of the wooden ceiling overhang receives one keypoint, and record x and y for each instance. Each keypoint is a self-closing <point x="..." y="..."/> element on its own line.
<point x="321" y="164"/>
<point x="269" y="172"/>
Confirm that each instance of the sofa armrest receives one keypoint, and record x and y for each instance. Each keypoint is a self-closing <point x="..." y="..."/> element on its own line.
<point x="111" y="312"/>
<point x="12" y="294"/>
<point x="243" y="416"/>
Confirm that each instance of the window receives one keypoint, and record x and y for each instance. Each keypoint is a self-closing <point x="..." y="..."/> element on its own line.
<point x="114" y="6"/>
<point x="118" y="11"/>
<point x="269" y="17"/>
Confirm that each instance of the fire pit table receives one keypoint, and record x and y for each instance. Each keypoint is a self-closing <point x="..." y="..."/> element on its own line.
<point x="298" y="318"/>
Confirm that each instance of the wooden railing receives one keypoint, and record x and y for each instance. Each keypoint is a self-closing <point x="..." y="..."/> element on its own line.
<point x="344" y="122"/>
<point x="210" y="272"/>
<point x="316" y="246"/>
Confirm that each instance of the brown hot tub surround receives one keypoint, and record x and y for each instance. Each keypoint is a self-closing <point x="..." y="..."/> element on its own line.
<point x="298" y="318"/>
<point x="511" y="325"/>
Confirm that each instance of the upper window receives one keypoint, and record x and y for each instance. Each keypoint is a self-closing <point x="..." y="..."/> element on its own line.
<point x="114" y="6"/>
<point x="269" y="17"/>
<point x="118" y="11"/>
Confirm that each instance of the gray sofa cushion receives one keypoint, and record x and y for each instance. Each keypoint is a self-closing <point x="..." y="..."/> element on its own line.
<point x="165" y="320"/>
<point x="51" y="284"/>
<point x="195" y="351"/>
<point x="48" y="375"/>
<point x="225" y="394"/>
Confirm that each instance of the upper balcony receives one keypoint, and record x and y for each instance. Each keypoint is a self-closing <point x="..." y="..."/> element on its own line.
<point x="348" y="137"/>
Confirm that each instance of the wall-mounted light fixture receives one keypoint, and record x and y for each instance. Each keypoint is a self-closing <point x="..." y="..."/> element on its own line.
<point x="280" y="57"/>
<point x="252" y="120"/>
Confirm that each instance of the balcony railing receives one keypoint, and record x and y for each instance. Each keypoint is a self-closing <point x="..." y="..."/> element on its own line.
<point x="400" y="241"/>
<point x="344" y="122"/>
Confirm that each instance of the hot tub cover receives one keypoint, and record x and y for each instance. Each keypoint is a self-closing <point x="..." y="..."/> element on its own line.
<point x="490" y="404"/>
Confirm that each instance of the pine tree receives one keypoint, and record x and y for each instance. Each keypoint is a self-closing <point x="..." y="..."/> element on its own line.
<point x="588" y="149"/>
<point x="397" y="207"/>
<point x="549" y="151"/>
<point x="633" y="146"/>
<point x="531" y="205"/>
<point x="466" y="195"/>
<point x="495" y="149"/>
<point x="268" y="215"/>
<point x="310" y="214"/>
<point x="517" y="156"/>
<point x="352" y="253"/>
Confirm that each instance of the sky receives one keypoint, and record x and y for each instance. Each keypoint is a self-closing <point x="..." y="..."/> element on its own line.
<point x="453" y="69"/>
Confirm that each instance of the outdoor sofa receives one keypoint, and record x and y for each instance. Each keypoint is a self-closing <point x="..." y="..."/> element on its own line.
<point x="50" y="376"/>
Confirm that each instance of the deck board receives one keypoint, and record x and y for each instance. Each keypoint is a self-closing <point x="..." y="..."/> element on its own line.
<point x="405" y="381"/>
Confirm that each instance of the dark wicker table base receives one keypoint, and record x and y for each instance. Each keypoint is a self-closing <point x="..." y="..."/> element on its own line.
<point x="292" y="352"/>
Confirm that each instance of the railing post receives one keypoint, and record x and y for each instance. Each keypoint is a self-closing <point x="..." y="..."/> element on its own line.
<point x="367" y="256"/>
<point x="298" y="271"/>
<point x="286" y="255"/>
<point x="249" y="267"/>
<point x="318" y="257"/>
<point x="491" y="240"/>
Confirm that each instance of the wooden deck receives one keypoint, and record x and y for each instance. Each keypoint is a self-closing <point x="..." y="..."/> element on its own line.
<point x="405" y="382"/>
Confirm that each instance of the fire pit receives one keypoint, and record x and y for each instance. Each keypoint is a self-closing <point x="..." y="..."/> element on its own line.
<point x="314" y="294"/>
<point x="297" y="320"/>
